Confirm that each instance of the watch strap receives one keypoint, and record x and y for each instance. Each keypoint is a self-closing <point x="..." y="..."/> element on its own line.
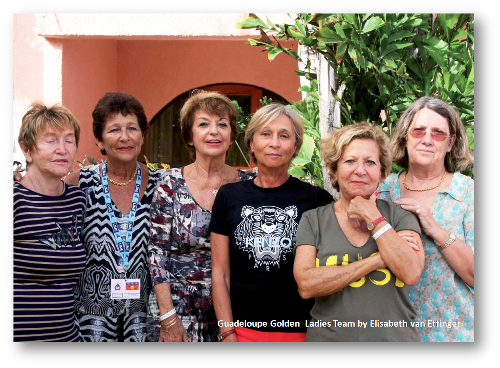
<point x="223" y="335"/>
<point x="375" y="222"/>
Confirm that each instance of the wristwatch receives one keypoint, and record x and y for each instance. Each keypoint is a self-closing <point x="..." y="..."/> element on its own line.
<point x="223" y="335"/>
<point x="372" y="225"/>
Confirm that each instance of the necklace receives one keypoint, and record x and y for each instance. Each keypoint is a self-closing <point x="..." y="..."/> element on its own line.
<point x="426" y="189"/>
<point x="127" y="182"/>
<point x="214" y="190"/>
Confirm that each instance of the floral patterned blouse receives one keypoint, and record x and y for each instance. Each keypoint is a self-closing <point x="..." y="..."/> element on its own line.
<point x="441" y="295"/>
<point x="179" y="253"/>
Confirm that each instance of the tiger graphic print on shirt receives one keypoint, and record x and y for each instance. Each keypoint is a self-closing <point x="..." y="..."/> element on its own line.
<point x="267" y="233"/>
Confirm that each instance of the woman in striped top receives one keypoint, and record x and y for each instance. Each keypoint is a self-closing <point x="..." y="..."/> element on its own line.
<point x="48" y="215"/>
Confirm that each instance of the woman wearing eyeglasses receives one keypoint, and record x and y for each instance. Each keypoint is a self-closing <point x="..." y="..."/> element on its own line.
<point x="431" y="145"/>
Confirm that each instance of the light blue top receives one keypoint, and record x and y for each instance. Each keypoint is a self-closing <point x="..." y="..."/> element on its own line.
<point x="441" y="295"/>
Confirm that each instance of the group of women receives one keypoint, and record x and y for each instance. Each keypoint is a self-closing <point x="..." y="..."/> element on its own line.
<point x="211" y="253"/>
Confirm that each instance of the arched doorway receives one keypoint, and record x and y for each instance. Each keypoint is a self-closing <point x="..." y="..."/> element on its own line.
<point x="163" y="141"/>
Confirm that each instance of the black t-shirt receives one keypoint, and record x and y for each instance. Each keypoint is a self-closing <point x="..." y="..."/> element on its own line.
<point x="261" y="224"/>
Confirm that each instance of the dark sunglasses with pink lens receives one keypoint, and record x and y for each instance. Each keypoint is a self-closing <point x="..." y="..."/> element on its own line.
<point x="436" y="135"/>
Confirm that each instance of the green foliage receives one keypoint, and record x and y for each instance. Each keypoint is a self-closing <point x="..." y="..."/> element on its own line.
<point x="308" y="165"/>
<point x="386" y="61"/>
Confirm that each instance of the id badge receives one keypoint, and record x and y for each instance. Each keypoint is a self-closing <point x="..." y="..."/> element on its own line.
<point x="125" y="288"/>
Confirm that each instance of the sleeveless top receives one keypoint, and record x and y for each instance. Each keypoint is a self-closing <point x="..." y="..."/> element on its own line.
<point x="104" y="262"/>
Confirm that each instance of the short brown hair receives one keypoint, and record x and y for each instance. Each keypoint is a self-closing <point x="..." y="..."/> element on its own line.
<point x="458" y="159"/>
<point x="112" y="104"/>
<point x="266" y="115"/>
<point x="39" y="118"/>
<point x="333" y="145"/>
<point x="213" y="103"/>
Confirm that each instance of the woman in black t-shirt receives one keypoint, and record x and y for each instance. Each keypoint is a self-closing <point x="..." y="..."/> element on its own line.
<point x="253" y="230"/>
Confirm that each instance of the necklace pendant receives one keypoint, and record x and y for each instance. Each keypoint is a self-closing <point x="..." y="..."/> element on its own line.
<point x="214" y="192"/>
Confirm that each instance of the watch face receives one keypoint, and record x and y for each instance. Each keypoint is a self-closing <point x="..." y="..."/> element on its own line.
<point x="370" y="226"/>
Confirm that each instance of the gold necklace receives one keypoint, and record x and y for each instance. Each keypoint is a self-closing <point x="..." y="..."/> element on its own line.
<point x="126" y="183"/>
<point x="214" y="190"/>
<point x="426" y="189"/>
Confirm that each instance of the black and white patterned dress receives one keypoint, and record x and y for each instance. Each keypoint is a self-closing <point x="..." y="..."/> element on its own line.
<point x="179" y="251"/>
<point x="102" y="318"/>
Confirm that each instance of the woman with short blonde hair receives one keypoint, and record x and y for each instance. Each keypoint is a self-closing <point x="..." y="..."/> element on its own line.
<point x="253" y="231"/>
<point x="48" y="216"/>
<point x="351" y="256"/>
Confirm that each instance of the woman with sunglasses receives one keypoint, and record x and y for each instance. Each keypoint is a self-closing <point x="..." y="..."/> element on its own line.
<point x="431" y="145"/>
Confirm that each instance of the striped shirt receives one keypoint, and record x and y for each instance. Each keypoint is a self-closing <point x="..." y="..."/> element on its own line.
<point x="48" y="259"/>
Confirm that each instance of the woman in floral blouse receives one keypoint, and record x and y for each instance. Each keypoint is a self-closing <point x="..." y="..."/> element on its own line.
<point x="431" y="145"/>
<point x="179" y="248"/>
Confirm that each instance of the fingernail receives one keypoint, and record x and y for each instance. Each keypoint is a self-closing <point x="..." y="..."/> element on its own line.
<point x="376" y="194"/>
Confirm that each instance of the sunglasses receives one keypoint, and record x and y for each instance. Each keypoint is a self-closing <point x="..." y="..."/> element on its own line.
<point x="436" y="135"/>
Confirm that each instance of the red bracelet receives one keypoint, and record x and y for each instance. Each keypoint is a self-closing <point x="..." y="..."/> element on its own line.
<point x="227" y="333"/>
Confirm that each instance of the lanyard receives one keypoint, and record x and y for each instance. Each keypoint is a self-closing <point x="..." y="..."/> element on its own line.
<point x="123" y="246"/>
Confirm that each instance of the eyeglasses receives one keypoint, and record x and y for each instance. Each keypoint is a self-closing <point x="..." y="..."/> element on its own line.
<point x="436" y="135"/>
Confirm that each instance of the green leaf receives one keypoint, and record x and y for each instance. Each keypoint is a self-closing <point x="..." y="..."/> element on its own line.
<point x="399" y="35"/>
<point x="372" y="24"/>
<point x="294" y="34"/>
<point x="448" y="20"/>
<point x="326" y="35"/>
<point x="308" y="75"/>
<point x="436" y="55"/>
<point x="296" y="171"/>
<point x="350" y="18"/>
<point x="307" y="148"/>
<point x="301" y="28"/>
<point x="275" y="51"/>
<point x="300" y="161"/>
<point x="395" y="46"/>
<point x="252" y="21"/>
<point x="304" y="89"/>
<point x="91" y="160"/>
<point x="354" y="56"/>
<point x="460" y="34"/>
<point x="291" y="53"/>
<point x="341" y="49"/>
<point x="339" y="30"/>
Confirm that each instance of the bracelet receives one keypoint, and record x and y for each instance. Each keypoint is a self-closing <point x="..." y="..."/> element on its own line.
<point x="381" y="231"/>
<point x="448" y="242"/>
<point x="227" y="333"/>
<point x="169" y="324"/>
<point x="168" y="314"/>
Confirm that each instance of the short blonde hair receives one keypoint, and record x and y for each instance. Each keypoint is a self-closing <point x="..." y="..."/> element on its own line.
<point x="458" y="159"/>
<point x="333" y="145"/>
<point x="266" y="115"/>
<point x="212" y="102"/>
<point x="39" y="118"/>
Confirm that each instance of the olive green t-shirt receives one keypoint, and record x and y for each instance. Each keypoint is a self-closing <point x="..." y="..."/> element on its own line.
<point x="373" y="308"/>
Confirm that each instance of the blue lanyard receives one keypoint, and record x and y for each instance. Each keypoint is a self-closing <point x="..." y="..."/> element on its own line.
<point x="123" y="246"/>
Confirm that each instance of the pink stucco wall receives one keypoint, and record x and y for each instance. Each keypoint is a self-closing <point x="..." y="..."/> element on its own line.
<point x="76" y="58"/>
<point x="158" y="71"/>
<point x="27" y="71"/>
<point x="89" y="71"/>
